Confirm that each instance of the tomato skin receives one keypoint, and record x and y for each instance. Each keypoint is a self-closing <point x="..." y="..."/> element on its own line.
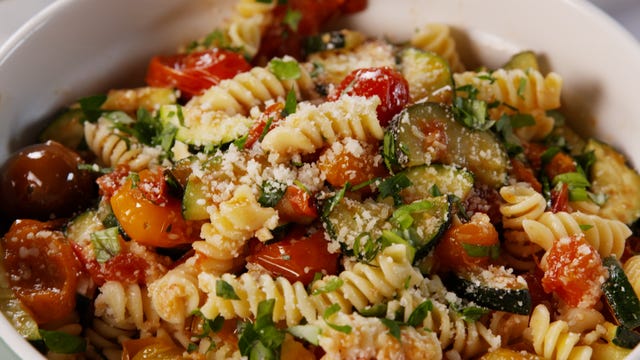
<point x="388" y="84"/>
<point x="111" y="182"/>
<point x="451" y="253"/>
<point x="560" y="199"/>
<point x="272" y="115"/>
<point x="341" y="163"/>
<point x="297" y="257"/>
<point x="125" y="267"/>
<point x="148" y="215"/>
<point x="195" y="72"/>
<point x="42" y="269"/>
<point x="574" y="271"/>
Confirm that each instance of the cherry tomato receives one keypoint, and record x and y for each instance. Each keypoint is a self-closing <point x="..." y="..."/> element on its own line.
<point x="195" y="72"/>
<point x="351" y="161"/>
<point x="524" y="173"/>
<point x="296" y="257"/>
<point x="297" y="205"/>
<point x="125" y="267"/>
<point x="271" y="115"/>
<point x="109" y="183"/>
<point x="388" y="84"/>
<point x="148" y="215"/>
<point x="574" y="271"/>
<point x="42" y="269"/>
<point x="43" y="181"/>
<point x="467" y="245"/>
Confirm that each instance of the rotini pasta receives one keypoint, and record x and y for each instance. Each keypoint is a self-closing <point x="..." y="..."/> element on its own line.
<point x="312" y="127"/>
<point x="526" y="91"/>
<point x="351" y="202"/>
<point x="522" y="202"/>
<point x="252" y="88"/>
<point x="359" y="286"/>
<point x="437" y="38"/>
<point x="113" y="147"/>
<point x="606" y="236"/>
<point x="553" y="340"/>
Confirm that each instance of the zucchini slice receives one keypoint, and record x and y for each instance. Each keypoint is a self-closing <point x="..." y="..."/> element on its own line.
<point x="523" y="60"/>
<point x="494" y="288"/>
<point x="422" y="223"/>
<point x="625" y="337"/>
<point x="426" y="133"/>
<point x="620" y="296"/>
<point x="611" y="176"/>
<point x="204" y="129"/>
<point x="66" y="128"/>
<point x="446" y="179"/>
<point x="80" y="228"/>
<point x="428" y="75"/>
<point x="195" y="200"/>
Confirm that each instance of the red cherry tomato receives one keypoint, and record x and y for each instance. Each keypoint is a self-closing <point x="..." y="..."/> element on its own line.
<point x="195" y="72"/>
<point x="271" y="115"/>
<point x="149" y="215"/>
<point x="390" y="86"/>
<point x="574" y="271"/>
<point x="297" y="257"/>
<point x="42" y="269"/>
<point x="125" y="267"/>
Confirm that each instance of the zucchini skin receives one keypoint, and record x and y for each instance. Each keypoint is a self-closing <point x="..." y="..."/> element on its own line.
<point x="620" y="296"/>
<point x="517" y="301"/>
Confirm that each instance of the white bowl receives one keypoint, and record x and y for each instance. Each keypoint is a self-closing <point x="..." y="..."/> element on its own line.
<point x="76" y="48"/>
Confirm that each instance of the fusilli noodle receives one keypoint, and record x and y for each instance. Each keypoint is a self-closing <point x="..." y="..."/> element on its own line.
<point x="632" y="270"/>
<point x="312" y="127"/>
<point x="126" y="306"/>
<point x="526" y="91"/>
<point x="247" y="25"/>
<point x="360" y="286"/>
<point x="522" y="202"/>
<point x="437" y="38"/>
<point x="553" y="340"/>
<point x="113" y="147"/>
<point x="606" y="236"/>
<point x="252" y="88"/>
<point x="175" y="295"/>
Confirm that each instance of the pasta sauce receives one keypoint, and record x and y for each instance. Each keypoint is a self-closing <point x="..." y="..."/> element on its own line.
<point x="321" y="194"/>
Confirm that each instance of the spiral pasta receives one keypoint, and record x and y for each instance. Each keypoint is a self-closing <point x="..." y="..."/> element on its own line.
<point x="252" y="88"/>
<point x="632" y="270"/>
<point x="437" y="38"/>
<point x="522" y="202"/>
<point x="526" y="91"/>
<point x="126" y="306"/>
<point x="175" y="295"/>
<point x="232" y="224"/>
<point x="360" y="286"/>
<point x="248" y="23"/>
<point x="553" y="340"/>
<point x="543" y="126"/>
<point x="113" y="147"/>
<point x="606" y="236"/>
<point x="312" y="127"/>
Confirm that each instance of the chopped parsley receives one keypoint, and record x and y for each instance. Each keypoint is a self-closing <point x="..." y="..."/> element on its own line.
<point x="470" y="111"/>
<point x="285" y="69"/>
<point x="271" y="192"/>
<point x="225" y="290"/>
<point x="331" y="285"/>
<point x="292" y="18"/>
<point x="261" y="339"/>
<point x="290" y="104"/>
<point x="63" y="343"/>
<point x="392" y="186"/>
<point x="330" y="311"/>
<point x="91" y="107"/>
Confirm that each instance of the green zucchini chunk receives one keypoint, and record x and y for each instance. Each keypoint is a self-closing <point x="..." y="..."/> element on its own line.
<point x="626" y="338"/>
<point x="428" y="75"/>
<point x="619" y="294"/>
<point x="204" y="129"/>
<point x="427" y="133"/>
<point x="66" y="128"/>
<point x="493" y="288"/>
<point x="610" y="175"/>
<point x="523" y="60"/>
<point x="447" y="179"/>
<point x="195" y="200"/>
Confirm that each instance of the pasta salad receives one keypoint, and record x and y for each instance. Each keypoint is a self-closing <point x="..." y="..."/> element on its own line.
<point x="279" y="189"/>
